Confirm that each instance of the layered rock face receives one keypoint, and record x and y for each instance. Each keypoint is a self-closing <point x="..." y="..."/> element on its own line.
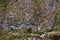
<point x="34" y="13"/>
<point x="50" y="8"/>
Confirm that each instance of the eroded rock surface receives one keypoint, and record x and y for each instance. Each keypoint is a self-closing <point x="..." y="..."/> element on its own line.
<point x="31" y="12"/>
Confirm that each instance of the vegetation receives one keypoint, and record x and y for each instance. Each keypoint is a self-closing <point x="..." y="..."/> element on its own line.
<point x="57" y="23"/>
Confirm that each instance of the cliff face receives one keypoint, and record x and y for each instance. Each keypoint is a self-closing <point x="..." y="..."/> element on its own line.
<point x="31" y="12"/>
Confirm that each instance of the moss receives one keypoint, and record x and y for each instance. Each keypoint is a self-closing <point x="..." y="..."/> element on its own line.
<point x="57" y="22"/>
<point x="56" y="38"/>
<point x="57" y="25"/>
<point x="58" y="14"/>
<point x="4" y="2"/>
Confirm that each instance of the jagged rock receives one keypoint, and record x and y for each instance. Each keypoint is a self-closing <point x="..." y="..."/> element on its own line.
<point x="32" y="13"/>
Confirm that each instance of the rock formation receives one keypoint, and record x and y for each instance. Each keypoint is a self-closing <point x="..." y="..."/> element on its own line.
<point x="37" y="13"/>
